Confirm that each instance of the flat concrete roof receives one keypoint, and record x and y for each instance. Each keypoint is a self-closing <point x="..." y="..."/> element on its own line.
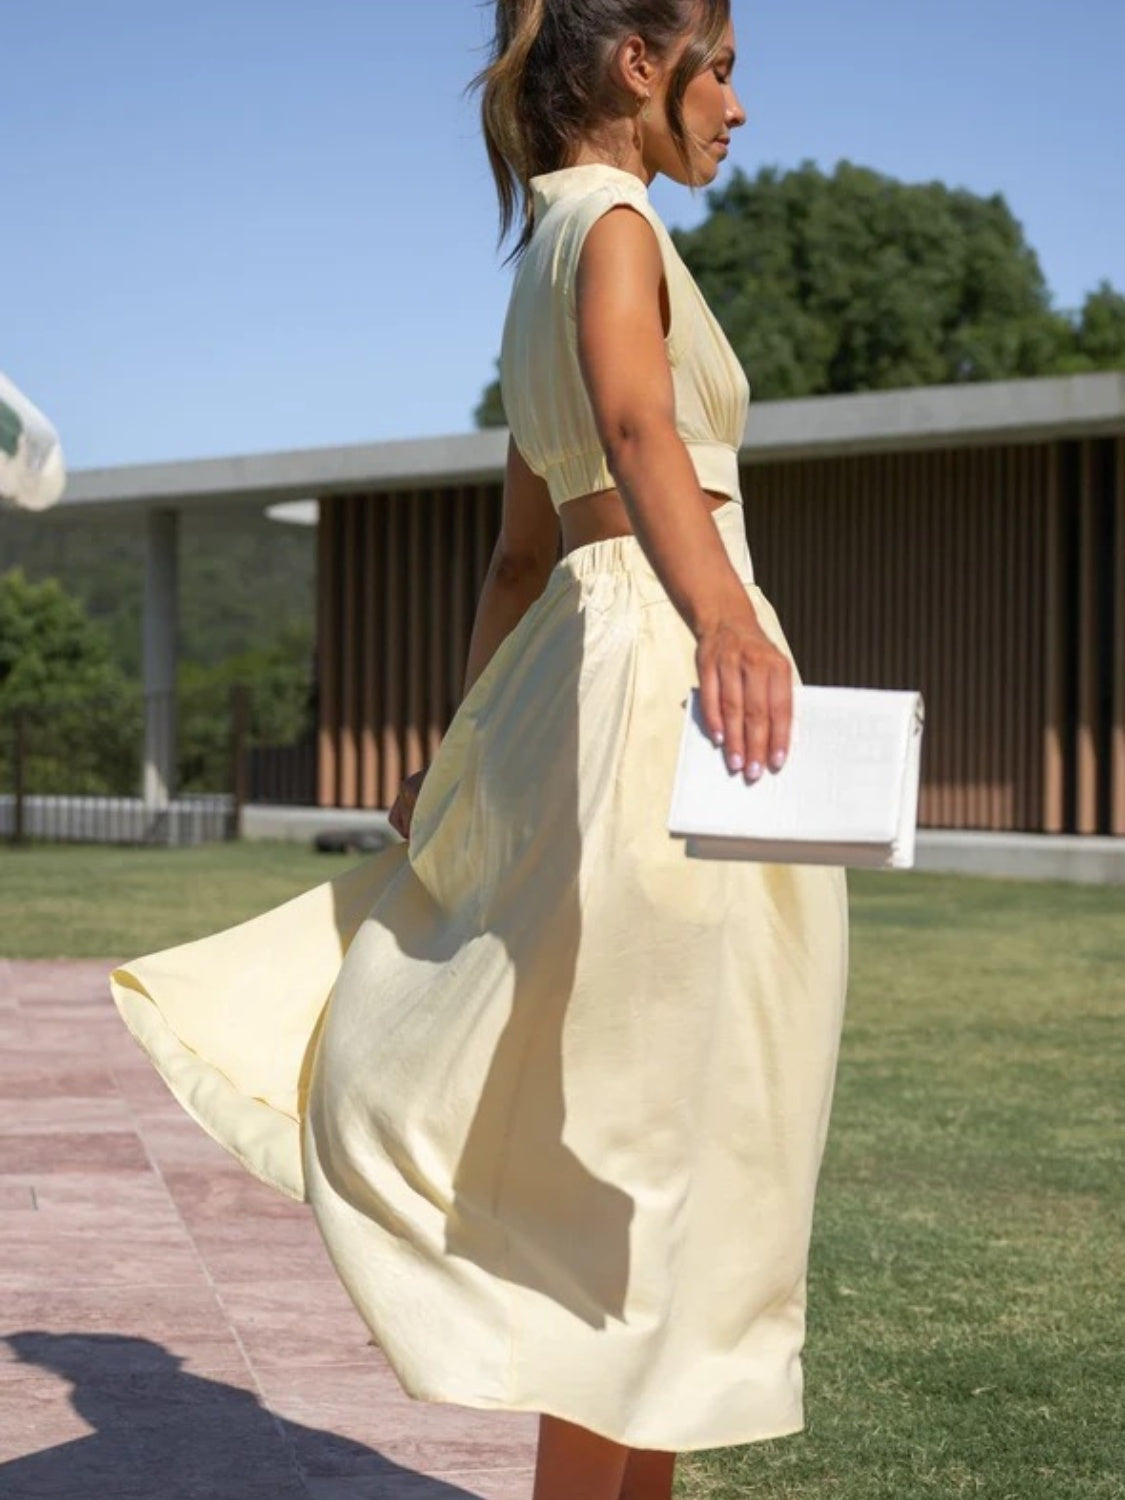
<point x="821" y="426"/>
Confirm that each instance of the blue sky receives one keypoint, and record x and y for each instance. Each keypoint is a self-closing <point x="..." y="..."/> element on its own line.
<point x="246" y="225"/>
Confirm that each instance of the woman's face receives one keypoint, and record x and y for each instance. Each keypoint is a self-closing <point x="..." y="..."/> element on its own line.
<point x="711" y="111"/>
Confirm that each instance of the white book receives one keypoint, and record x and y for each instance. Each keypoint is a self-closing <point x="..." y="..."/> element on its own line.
<point x="847" y="794"/>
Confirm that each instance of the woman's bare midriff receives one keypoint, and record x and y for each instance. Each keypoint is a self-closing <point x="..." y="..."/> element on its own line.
<point x="597" y="517"/>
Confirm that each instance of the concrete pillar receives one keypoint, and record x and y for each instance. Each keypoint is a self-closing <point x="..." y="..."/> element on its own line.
<point x="160" y="631"/>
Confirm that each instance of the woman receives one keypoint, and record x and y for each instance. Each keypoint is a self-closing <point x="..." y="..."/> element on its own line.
<point x="561" y="1118"/>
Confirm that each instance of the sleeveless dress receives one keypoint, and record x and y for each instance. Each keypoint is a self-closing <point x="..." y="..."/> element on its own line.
<point x="556" y="1093"/>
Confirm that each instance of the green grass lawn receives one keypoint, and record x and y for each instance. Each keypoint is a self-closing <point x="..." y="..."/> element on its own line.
<point x="966" y="1322"/>
<point x="64" y="901"/>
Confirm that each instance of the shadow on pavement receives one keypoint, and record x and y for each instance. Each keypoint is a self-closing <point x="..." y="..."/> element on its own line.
<point x="162" y="1434"/>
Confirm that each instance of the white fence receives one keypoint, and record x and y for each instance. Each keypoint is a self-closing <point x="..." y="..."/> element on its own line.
<point x="120" y="820"/>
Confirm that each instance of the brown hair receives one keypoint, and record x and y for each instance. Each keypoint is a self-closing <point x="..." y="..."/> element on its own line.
<point x="545" y="85"/>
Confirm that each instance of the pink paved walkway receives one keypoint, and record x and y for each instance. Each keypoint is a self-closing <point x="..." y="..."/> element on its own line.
<point x="168" y="1327"/>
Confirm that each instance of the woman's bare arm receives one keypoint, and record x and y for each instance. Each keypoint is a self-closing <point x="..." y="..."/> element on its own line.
<point x="745" y="681"/>
<point x="525" y="552"/>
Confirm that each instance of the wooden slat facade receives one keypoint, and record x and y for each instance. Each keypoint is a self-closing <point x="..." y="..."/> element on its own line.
<point x="992" y="578"/>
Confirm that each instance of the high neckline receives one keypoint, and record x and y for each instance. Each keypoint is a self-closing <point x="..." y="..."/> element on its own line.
<point x="548" y="187"/>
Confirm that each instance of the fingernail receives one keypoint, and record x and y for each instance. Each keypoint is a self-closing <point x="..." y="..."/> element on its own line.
<point x="777" y="759"/>
<point x="735" y="762"/>
<point x="754" y="770"/>
<point x="717" y="737"/>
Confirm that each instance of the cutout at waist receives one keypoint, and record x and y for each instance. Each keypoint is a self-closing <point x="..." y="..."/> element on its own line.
<point x="602" y="515"/>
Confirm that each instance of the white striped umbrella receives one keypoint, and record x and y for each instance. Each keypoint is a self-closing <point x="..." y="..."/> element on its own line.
<point x="32" y="471"/>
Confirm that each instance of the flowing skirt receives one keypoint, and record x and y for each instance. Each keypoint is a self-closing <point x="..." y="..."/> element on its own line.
<point x="557" y="1093"/>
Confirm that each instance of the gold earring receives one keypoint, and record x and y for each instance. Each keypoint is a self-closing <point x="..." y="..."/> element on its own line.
<point x="640" y="119"/>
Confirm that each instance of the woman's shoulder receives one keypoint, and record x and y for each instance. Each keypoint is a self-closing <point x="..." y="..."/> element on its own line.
<point x="566" y="222"/>
<point x="573" y="198"/>
<point x="582" y="210"/>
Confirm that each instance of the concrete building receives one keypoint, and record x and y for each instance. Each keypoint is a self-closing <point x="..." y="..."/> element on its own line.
<point x="965" y="540"/>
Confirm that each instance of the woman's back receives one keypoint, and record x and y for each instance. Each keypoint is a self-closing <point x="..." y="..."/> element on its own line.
<point x="545" y="397"/>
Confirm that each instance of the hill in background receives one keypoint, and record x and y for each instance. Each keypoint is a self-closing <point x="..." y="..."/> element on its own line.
<point x="243" y="584"/>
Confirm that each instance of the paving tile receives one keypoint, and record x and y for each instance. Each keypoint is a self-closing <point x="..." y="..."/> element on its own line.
<point x="142" y="1327"/>
<point x="137" y="1081"/>
<point x="160" y="1435"/>
<point x="13" y="1032"/>
<point x="42" y="1075"/>
<point x="64" y="990"/>
<point x="59" y="991"/>
<point x="98" y="1199"/>
<point x="52" y="1025"/>
<point x="77" y="1115"/>
<point x="70" y="977"/>
<point x="372" y="1409"/>
<point x="36" y="1257"/>
<point x="16" y="1196"/>
<point x="205" y="1196"/>
<point x="64" y="1151"/>
<point x="288" y="1323"/>
<point x="35" y="1412"/>
<point x="103" y="1037"/>
<point x="50" y="998"/>
<point x="260" y="1248"/>
<point x="174" y="1139"/>
<point x="99" y="1354"/>
<point x="491" y="1484"/>
<point x="151" y="1289"/>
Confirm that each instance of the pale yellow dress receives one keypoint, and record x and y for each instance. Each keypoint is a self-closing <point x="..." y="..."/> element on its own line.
<point x="556" y="1093"/>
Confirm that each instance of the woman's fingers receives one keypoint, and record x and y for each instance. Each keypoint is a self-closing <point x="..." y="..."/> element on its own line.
<point x="781" y="713"/>
<point x="720" y="701"/>
<point x="396" y="818"/>
<point x="746" y="701"/>
<point x="710" y="705"/>
<point x="756" y="718"/>
<point x="731" y="689"/>
<point x="402" y="812"/>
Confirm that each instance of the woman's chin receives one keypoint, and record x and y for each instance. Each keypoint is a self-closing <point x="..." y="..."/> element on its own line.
<point x="705" y="168"/>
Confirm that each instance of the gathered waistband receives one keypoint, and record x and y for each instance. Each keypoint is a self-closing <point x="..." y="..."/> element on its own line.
<point x="624" y="554"/>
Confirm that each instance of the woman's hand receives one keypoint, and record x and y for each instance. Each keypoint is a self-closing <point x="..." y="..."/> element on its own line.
<point x="402" y="812"/>
<point x="746" y="695"/>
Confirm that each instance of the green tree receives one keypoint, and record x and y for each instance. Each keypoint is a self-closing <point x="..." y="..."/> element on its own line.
<point x="490" y="411"/>
<point x="856" y="282"/>
<point x="1101" y="329"/>
<point x="243" y="579"/>
<point x="279" y="679"/>
<point x="80" y="718"/>
<point x="853" y="281"/>
<point x="49" y="647"/>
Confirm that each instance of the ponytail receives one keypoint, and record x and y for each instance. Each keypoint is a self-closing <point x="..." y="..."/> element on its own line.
<point x="519" y="24"/>
<point x="544" y="86"/>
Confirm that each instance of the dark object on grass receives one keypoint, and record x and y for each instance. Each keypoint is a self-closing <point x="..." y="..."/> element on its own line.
<point x="354" y="840"/>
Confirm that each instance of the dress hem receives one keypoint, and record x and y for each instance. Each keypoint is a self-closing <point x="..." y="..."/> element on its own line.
<point x="123" y="989"/>
<point x="418" y="1392"/>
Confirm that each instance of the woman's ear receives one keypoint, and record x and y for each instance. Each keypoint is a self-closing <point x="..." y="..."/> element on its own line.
<point x="633" y="70"/>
